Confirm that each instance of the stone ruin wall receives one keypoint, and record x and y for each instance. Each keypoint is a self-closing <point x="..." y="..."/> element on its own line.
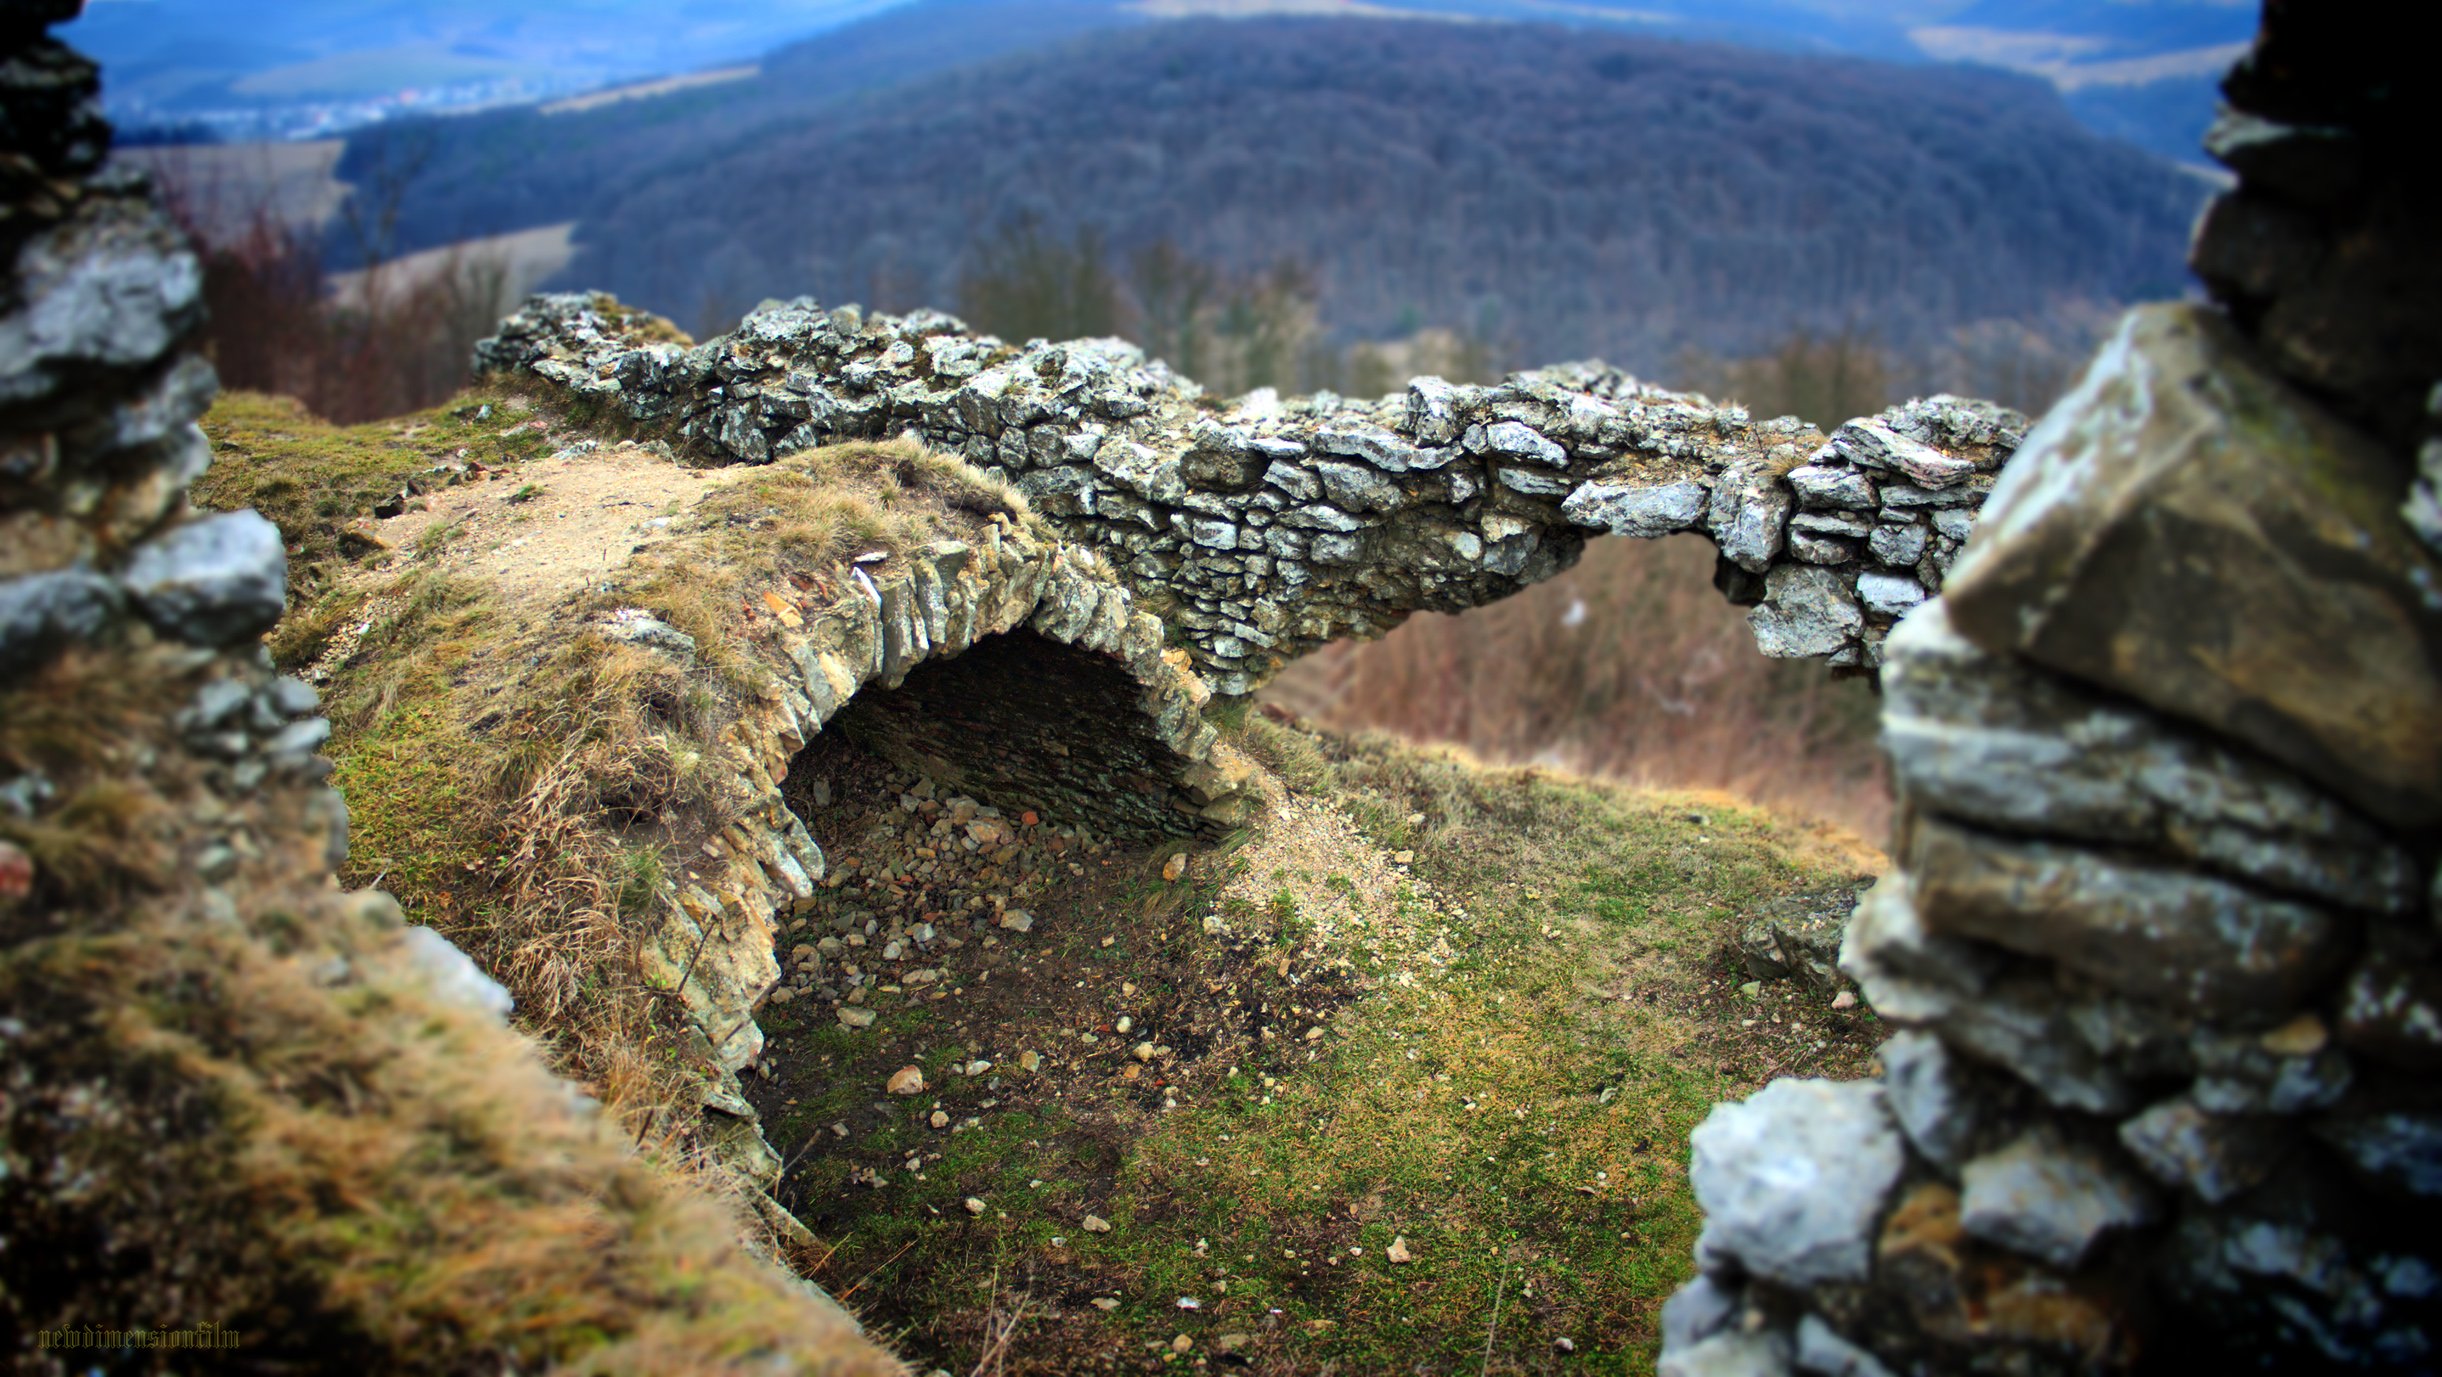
<point x="721" y="943"/>
<point x="1259" y="529"/>
<point x="2161" y="933"/>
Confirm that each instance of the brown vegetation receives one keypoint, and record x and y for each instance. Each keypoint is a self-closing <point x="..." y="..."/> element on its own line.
<point x="1629" y="667"/>
<point x="280" y="1130"/>
<point x="399" y="341"/>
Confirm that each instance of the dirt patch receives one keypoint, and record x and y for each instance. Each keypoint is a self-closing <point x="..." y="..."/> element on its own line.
<point x="537" y="530"/>
<point x="1059" y="997"/>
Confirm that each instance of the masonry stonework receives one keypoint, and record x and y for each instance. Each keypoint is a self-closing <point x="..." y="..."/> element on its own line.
<point x="2160" y="933"/>
<point x="1261" y="528"/>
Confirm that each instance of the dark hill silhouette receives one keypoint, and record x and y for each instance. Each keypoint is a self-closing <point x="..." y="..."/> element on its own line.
<point x="1568" y="193"/>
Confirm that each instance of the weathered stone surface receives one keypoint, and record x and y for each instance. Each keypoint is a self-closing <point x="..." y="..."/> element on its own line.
<point x="39" y="611"/>
<point x="1824" y="485"/>
<point x="1749" y="516"/>
<point x="1821" y="1350"/>
<point x="1889" y="595"/>
<point x="1764" y="1353"/>
<point x="2242" y="1073"/>
<point x="2393" y="1011"/>
<point x="112" y="288"/>
<point x="2003" y="744"/>
<point x="1807" y="611"/>
<point x="2159" y="933"/>
<point x="2022" y="1026"/>
<point x="2310" y="163"/>
<point x="1439" y="499"/>
<point x="452" y="975"/>
<point x="214" y="581"/>
<point x="1909" y="975"/>
<point x="1948" y="1107"/>
<point x="2217" y="1156"/>
<point x="1697" y="1311"/>
<point x="2050" y="1198"/>
<point x="2344" y="1305"/>
<point x="1798" y="936"/>
<point x="2401" y="1149"/>
<point x="1962" y="1299"/>
<point x="1636" y="509"/>
<point x="1792" y="1180"/>
<point x="1874" y="444"/>
<point x="2187" y="530"/>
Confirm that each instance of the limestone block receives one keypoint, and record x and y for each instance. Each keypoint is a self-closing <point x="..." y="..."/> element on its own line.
<point x="1948" y="1106"/>
<point x="1764" y="1353"/>
<point x="1635" y="509"/>
<point x="1873" y="444"/>
<point x="40" y="611"/>
<point x="2399" y="1149"/>
<point x="2000" y="743"/>
<point x="2188" y="530"/>
<point x="2216" y="1156"/>
<point x="2392" y="1010"/>
<point x="1697" y="1311"/>
<point x="1821" y="1350"/>
<point x="1798" y="936"/>
<point x="215" y="581"/>
<point x="2188" y="940"/>
<point x="1749" y="516"/>
<point x="1806" y="611"/>
<point x="451" y="975"/>
<point x="1832" y="486"/>
<point x="2051" y="1198"/>
<point x="1792" y="1180"/>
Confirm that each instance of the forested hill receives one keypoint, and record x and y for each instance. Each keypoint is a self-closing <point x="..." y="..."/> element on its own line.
<point x="1566" y="193"/>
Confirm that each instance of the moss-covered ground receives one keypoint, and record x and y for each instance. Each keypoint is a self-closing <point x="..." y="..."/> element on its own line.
<point x="1522" y="979"/>
<point x="1504" y="1089"/>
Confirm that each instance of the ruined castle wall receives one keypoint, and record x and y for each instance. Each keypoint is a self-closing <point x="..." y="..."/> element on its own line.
<point x="2161" y="931"/>
<point x="1258" y="529"/>
<point x="912" y="618"/>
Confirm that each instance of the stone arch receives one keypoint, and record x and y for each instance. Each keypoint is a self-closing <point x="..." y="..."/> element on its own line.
<point x="996" y="629"/>
<point x="1259" y="529"/>
<point x="1023" y="722"/>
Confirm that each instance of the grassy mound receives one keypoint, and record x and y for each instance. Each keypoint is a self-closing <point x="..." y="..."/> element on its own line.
<point x="1420" y="1009"/>
<point x="518" y="779"/>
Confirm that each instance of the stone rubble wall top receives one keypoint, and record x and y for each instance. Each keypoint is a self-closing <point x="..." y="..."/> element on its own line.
<point x="1261" y="527"/>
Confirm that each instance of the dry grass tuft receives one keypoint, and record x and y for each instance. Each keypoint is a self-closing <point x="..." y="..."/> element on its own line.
<point x="237" y="1102"/>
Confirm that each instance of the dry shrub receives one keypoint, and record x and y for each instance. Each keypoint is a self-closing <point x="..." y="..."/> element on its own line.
<point x="402" y="340"/>
<point x="1629" y="667"/>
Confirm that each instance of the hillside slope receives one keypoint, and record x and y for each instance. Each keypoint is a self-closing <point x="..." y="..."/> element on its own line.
<point x="1567" y="194"/>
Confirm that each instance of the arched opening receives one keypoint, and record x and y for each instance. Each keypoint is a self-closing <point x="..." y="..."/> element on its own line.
<point x="1018" y="723"/>
<point x="1012" y="844"/>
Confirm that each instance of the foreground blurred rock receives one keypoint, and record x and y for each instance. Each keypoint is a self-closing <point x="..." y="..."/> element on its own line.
<point x="235" y="1102"/>
<point x="2161" y="934"/>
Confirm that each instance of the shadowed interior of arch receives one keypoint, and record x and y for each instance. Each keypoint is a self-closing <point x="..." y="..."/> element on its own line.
<point x="1022" y="723"/>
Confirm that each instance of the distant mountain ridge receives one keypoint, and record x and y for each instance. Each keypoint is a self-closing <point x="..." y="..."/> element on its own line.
<point x="171" y="58"/>
<point x="1566" y="194"/>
